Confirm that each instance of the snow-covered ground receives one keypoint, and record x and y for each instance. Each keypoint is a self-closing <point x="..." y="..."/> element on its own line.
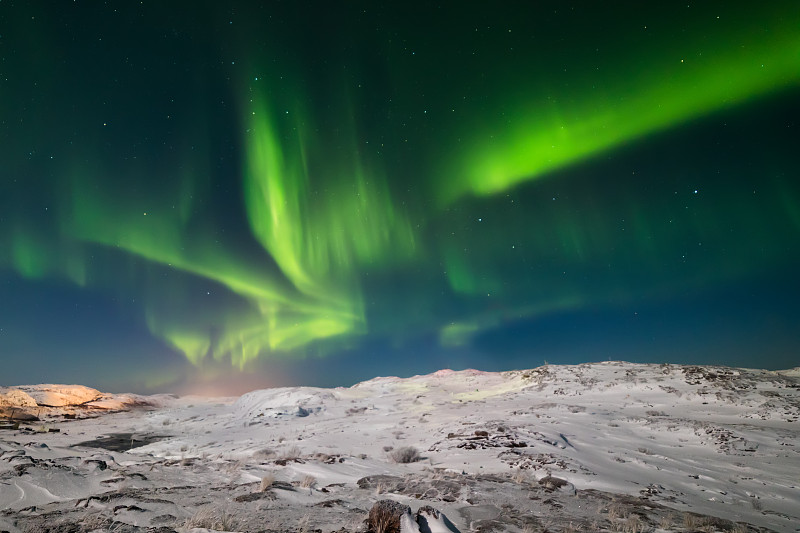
<point x="594" y="447"/>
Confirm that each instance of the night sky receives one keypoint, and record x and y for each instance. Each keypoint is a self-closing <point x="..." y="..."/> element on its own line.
<point x="214" y="199"/>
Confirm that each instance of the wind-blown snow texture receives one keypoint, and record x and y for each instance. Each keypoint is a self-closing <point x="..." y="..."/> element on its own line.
<point x="594" y="447"/>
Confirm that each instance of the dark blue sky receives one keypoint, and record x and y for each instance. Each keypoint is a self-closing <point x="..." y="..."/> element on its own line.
<point x="284" y="193"/>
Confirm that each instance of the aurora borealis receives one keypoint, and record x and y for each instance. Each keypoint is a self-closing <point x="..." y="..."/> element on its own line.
<point x="275" y="193"/>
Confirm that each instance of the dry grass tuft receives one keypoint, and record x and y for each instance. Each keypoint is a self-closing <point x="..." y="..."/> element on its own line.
<point x="95" y="521"/>
<point x="264" y="454"/>
<point x="212" y="518"/>
<point x="690" y="521"/>
<point x="291" y="453"/>
<point x="616" y="511"/>
<point x="234" y="468"/>
<point x="266" y="482"/>
<point x="385" y="516"/>
<point x="406" y="454"/>
<point x="308" y="481"/>
<point x="520" y="476"/>
<point x="634" y="524"/>
<point x="630" y="524"/>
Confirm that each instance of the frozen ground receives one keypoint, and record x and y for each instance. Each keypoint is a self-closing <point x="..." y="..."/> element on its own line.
<point x="595" y="447"/>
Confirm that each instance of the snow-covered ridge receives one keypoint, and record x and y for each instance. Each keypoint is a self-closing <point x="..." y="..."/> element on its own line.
<point x="60" y="395"/>
<point x="606" y="444"/>
<point x="296" y="401"/>
<point x="32" y="397"/>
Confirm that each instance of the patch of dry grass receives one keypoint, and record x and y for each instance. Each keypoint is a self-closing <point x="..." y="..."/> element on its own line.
<point x="691" y="521"/>
<point x="406" y="454"/>
<point x="291" y="453"/>
<point x="264" y="454"/>
<point x="266" y="482"/>
<point x="212" y="518"/>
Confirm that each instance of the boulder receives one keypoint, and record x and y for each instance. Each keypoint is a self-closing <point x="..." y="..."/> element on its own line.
<point x="15" y="398"/>
<point x="386" y="515"/>
<point x="430" y="520"/>
<point x="389" y="516"/>
<point x="553" y="484"/>
<point x="61" y="395"/>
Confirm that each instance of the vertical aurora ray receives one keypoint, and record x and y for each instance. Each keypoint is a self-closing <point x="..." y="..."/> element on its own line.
<point x="319" y="212"/>
<point x="319" y="229"/>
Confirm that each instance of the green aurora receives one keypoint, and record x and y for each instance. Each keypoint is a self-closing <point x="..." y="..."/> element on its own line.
<point x="355" y="185"/>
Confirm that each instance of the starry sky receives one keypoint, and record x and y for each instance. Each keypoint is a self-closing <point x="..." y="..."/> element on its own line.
<point x="243" y="195"/>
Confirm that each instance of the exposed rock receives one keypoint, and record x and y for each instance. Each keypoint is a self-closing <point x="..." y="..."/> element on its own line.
<point x="552" y="483"/>
<point x="385" y="516"/>
<point x="255" y="496"/>
<point x="389" y="516"/>
<point x="432" y="520"/>
<point x="60" y="395"/>
<point x="23" y="416"/>
<point x="419" y="487"/>
<point x="372" y="482"/>
<point x="16" y="398"/>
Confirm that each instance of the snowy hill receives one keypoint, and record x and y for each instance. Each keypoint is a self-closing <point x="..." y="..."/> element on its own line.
<point x="595" y="447"/>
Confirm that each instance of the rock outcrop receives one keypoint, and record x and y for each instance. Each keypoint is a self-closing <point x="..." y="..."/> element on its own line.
<point x="389" y="516"/>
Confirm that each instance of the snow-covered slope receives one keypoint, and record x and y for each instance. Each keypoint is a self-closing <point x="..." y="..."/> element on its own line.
<point x="590" y="447"/>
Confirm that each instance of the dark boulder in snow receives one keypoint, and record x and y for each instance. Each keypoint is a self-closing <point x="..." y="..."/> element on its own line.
<point x="385" y="516"/>
<point x="392" y="517"/>
<point x="431" y="520"/>
<point x="552" y="483"/>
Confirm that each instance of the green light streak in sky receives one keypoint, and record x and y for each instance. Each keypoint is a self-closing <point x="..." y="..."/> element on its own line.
<point x="313" y="241"/>
<point x="317" y="232"/>
<point x="457" y="334"/>
<point x="28" y="255"/>
<point x="319" y="237"/>
<point x="308" y="286"/>
<point x="544" y="132"/>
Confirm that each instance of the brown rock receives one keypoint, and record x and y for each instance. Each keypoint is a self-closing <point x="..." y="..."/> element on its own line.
<point x="384" y="517"/>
